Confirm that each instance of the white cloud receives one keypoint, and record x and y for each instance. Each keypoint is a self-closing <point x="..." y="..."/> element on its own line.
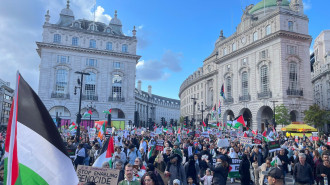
<point x="307" y="4"/>
<point x="155" y="70"/>
<point x="100" y="17"/>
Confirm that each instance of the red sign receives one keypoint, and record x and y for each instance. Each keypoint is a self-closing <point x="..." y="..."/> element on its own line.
<point x="160" y="145"/>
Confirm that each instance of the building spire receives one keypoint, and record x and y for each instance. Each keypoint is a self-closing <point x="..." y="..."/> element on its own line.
<point x="68" y="4"/>
<point x="134" y="31"/>
<point x="116" y="13"/>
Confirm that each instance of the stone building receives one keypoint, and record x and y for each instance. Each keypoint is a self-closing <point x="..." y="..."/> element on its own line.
<point x="321" y="70"/>
<point x="100" y="49"/>
<point x="266" y="60"/>
<point x="148" y="105"/>
<point x="6" y="98"/>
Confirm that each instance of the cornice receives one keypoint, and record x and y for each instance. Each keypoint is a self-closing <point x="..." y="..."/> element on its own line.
<point x="85" y="50"/>
<point x="278" y="34"/>
<point x="320" y="75"/>
<point x="184" y="87"/>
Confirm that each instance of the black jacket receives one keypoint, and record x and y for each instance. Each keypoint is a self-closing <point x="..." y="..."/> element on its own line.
<point x="321" y="169"/>
<point x="286" y="162"/>
<point x="303" y="173"/>
<point x="244" y="171"/>
<point x="220" y="174"/>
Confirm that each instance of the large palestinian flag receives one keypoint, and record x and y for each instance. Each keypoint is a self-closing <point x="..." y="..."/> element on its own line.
<point x="34" y="150"/>
<point x="106" y="153"/>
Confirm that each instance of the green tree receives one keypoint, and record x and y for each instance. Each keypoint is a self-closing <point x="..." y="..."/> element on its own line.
<point x="181" y="120"/>
<point x="316" y="116"/>
<point x="282" y="115"/>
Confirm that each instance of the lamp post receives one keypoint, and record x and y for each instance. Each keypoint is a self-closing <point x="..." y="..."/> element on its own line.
<point x="202" y="110"/>
<point x="194" y="103"/>
<point x="91" y="107"/>
<point x="274" y="123"/>
<point x="80" y="82"/>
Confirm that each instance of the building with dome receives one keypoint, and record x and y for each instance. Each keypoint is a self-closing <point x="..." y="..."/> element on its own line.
<point x="264" y="63"/>
<point x="102" y="50"/>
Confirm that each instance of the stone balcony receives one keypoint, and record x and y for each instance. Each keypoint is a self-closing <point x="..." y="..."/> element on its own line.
<point x="90" y="97"/>
<point x="60" y="95"/>
<point x="265" y="94"/>
<point x="245" y="98"/>
<point x="294" y="92"/>
<point x="116" y="99"/>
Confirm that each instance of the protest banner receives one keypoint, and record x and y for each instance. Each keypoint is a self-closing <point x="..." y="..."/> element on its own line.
<point x="223" y="143"/>
<point x="100" y="176"/>
<point x="92" y="133"/>
<point x="315" y="136"/>
<point x="328" y="143"/>
<point x="258" y="139"/>
<point x="234" y="168"/>
<point x="245" y="140"/>
<point x="205" y="134"/>
<point x="160" y="145"/>
<point x="274" y="146"/>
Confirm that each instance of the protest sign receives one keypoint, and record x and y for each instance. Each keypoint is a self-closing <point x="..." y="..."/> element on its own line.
<point x="328" y="143"/>
<point x="274" y="146"/>
<point x="190" y="153"/>
<point x="138" y="132"/>
<point x="234" y="168"/>
<point x="160" y="145"/>
<point x="223" y="143"/>
<point x="205" y="134"/>
<point x="245" y="140"/>
<point x="91" y="133"/>
<point x="315" y="136"/>
<point x="296" y="139"/>
<point x="159" y="131"/>
<point x="258" y="139"/>
<point x="100" y="176"/>
<point x="152" y="134"/>
<point x="197" y="133"/>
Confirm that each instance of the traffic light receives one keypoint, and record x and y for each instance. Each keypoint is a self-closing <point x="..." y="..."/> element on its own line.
<point x="58" y="121"/>
<point x="163" y="121"/>
<point x="207" y="122"/>
<point x="172" y="122"/>
<point x="176" y="123"/>
<point x="186" y="120"/>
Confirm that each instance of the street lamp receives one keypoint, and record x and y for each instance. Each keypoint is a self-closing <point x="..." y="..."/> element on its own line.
<point x="274" y="123"/>
<point x="80" y="82"/>
<point x="202" y="110"/>
<point x="194" y="103"/>
<point x="91" y="107"/>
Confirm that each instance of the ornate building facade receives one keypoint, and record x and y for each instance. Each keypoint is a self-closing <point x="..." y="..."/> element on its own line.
<point x="103" y="51"/>
<point x="6" y="98"/>
<point x="265" y="62"/>
<point x="148" y="105"/>
<point x="321" y="70"/>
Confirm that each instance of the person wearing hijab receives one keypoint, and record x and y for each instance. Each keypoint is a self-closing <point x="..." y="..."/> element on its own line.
<point x="244" y="170"/>
<point x="192" y="170"/>
<point x="232" y="154"/>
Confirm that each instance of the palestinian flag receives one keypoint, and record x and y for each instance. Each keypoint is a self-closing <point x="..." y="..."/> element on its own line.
<point x="230" y="124"/>
<point x="264" y="135"/>
<point x="222" y="92"/>
<point x="107" y="111"/>
<point x="239" y="122"/>
<point x="73" y="126"/>
<point x="88" y="113"/>
<point x="106" y="153"/>
<point x="101" y="131"/>
<point x="204" y="125"/>
<point x="151" y="149"/>
<point x="34" y="150"/>
<point x="219" y="109"/>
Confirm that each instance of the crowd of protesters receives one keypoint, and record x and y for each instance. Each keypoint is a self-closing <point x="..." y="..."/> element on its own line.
<point x="194" y="160"/>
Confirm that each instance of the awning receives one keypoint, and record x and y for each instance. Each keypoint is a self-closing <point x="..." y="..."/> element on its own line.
<point x="299" y="128"/>
<point x="298" y="134"/>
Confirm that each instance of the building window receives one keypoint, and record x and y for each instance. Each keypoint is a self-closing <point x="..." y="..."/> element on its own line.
<point x="90" y="84"/>
<point x="124" y="48"/>
<point x="62" y="59"/>
<point x="57" y="38"/>
<point x="268" y="29"/>
<point x="92" y="43"/>
<point x="224" y="51"/>
<point x="116" y="86"/>
<point x="263" y="54"/>
<point x="293" y="77"/>
<point x="291" y="50"/>
<point x="74" y="41"/>
<point x="290" y="26"/>
<point x="264" y="81"/>
<point x="76" y="25"/>
<point x="255" y="36"/>
<point x="109" y="46"/>
<point x="245" y="84"/>
<point x="108" y="30"/>
<point x="61" y="81"/>
<point x="116" y="79"/>
<point x="234" y="46"/>
<point x="91" y="62"/>
<point x="229" y="83"/>
<point x="244" y="61"/>
<point x="116" y="65"/>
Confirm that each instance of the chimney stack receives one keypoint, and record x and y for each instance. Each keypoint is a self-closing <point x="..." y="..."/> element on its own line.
<point x="139" y="85"/>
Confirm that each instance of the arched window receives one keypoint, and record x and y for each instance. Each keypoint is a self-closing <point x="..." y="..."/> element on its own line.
<point x="57" y="38"/>
<point x="229" y="86"/>
<point x="124" y="48"/>
<point x="74" y="41"/>
<point x="109" y="46"/>
<point x="61" y="81"/>
<point x="92" y="43"/>
<point x="116" y="87"/>
<point x="264" y="79"/>
<point x="293" y="77"/>
<point x="290" y="26"/>
<point x="268" y="29"/>
<point x="90" y="86"/>
<point x="245" y="84"/>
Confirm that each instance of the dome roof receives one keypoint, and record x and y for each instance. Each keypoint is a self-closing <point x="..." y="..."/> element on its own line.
<point x="115" y="20"/>
<point x="67" y="12"/>
<point x="267" y="4"/>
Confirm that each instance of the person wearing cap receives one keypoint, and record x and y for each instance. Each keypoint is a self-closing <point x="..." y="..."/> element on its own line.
<point x="303" y="173"/>
<point x="275" y="176"/>
<point x="176" y="182"/>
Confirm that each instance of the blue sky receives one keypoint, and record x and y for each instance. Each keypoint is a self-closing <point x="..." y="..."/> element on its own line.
<point x="174" y="37"/>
